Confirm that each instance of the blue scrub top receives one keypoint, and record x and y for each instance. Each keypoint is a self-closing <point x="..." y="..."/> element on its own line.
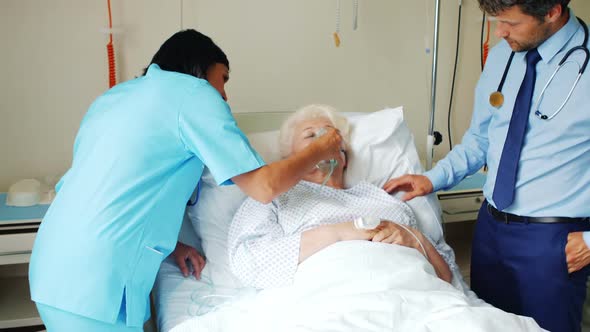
<point x="138" y="156"/>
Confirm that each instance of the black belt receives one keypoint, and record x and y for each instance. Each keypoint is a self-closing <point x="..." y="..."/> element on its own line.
<point x="509" y="217"/>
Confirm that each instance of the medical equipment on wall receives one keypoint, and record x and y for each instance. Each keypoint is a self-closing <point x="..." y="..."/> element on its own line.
<point x="485" y="45"/>
<point x="111" y="51"/>
<point x="355" y="11"/>
<point x="337" y="31"/>
<point x="433" y="138"/>
<point x="497" y="98"/>
<point x="458" y="39"/>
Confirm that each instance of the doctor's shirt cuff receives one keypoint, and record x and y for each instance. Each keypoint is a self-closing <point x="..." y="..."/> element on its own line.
<point x="586" y="236"/>
<point x="437" y="177"/>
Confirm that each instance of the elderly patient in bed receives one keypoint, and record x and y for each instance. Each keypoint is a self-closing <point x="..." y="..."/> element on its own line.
<point x="267" y="242"/>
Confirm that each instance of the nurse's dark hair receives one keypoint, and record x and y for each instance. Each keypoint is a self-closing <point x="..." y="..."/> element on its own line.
<point x="189" y="52"/>
<point x="535" y="8"/>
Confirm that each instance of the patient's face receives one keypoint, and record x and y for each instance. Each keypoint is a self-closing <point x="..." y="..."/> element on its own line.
<point x="305" y="132"/>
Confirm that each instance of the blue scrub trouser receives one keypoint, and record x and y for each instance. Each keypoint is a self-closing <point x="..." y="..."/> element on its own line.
<point x="521" y="268"/>
<point x="56" y="320"/>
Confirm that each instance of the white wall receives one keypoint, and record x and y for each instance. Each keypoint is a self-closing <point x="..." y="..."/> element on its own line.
<point x="53" y="62"/>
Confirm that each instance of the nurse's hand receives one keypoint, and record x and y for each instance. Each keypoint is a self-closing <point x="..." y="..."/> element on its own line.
<point x="413" y="185"/>
<point x="183" y="253"/>
<point x="329" y="145"/>
<point x="577" y="253"/>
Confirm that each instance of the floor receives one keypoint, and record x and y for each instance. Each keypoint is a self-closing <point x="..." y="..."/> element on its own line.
<point x="150" y="325"/>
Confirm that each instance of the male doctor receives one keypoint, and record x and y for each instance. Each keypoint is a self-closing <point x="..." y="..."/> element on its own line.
<point x="530" y="248"/>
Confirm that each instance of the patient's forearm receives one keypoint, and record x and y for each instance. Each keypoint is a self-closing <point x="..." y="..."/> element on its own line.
<point x="440" y="266"/>
<point x="318" y="238"/>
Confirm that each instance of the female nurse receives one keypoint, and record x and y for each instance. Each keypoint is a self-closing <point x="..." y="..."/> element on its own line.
<point x="138" y="155"/>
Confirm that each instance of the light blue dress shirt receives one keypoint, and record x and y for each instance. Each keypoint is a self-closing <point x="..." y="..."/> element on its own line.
<point x="138" y="156"/>
<point x="554" y="171"/>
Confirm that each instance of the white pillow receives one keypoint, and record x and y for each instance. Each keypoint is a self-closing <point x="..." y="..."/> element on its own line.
<point x="382" y="147"/>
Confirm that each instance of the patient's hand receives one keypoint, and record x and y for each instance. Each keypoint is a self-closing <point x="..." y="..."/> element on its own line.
<point x="182" y="253"/>
<point x="390" y="232"/>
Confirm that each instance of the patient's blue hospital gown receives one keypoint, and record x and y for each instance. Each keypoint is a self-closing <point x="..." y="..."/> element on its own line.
<point x="264" y="239"/>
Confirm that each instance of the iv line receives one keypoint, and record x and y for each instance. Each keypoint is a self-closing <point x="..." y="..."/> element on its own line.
<point x="333" y="162"/>
<point x="415" y="237"/>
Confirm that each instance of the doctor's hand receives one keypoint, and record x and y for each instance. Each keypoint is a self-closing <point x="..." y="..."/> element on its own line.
<point x="413" y="185"/>
<point x="182" y="253"/>
<point x="577" y="253"/>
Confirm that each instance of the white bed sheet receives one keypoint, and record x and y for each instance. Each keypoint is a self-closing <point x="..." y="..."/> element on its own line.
<point x="172" y="295"/>
<point x="332" y="278"/>
<point x="353" y="286"/>
<point x="177" y="299"/>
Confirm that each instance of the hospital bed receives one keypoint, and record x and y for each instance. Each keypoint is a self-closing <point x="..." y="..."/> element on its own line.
<point x="382" y="148"/>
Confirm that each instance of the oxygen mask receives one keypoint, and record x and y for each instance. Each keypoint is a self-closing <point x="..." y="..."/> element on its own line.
<point x="325" y="166"/>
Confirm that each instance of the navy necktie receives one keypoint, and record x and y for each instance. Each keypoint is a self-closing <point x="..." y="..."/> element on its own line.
<point x="506" y="176"/>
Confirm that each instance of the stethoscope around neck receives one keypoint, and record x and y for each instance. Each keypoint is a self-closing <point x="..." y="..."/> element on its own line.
<point x="497" y="98"/>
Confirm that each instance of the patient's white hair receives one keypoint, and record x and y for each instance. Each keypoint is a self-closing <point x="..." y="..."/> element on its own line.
<point x="313" y="111"/>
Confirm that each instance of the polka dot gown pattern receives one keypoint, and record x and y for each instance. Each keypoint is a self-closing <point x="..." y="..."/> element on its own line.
<point x="264" y="239"/>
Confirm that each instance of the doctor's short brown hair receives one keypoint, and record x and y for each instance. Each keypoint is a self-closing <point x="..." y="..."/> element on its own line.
<point x="535" y="8"/>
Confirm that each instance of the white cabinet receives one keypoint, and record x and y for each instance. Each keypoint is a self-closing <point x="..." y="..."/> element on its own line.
<point x="16" y="308"/>
<point x="18" y="228"/>
<point x="462" y="202"/>
<point x="460" y="206"/>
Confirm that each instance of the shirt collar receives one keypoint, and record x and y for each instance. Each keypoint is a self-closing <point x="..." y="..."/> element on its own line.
<point x="557" y="42"/>
<point x="152" y="69"/>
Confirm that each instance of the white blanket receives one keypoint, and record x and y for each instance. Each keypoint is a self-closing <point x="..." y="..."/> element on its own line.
<point x="360" y="286"/>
